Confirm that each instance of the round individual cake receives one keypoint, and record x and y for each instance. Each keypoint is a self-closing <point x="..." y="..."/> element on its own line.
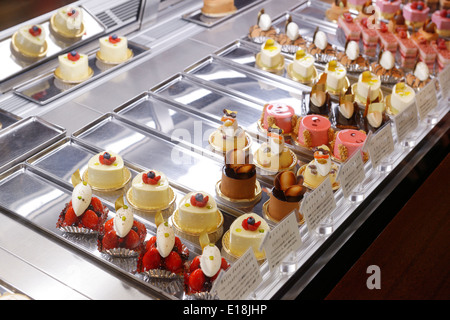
<point x="315" y="172"/>
<point x="347" y="142"/>
<point x="286" y="195"/>
<point x="238" y="176"/>
<point x="106" y="170"/>
<point x="30" y="40"/>
<point x="402" y="96"/>
<point x="273" y="154"/>
<point x="68" y="21"/>
<point x="113" y="48"/>
<point x="270" y="56"/>
<point x="247" y="231"/>
<point x="197" y="212"/>
<point x="442" y="20"/>
<point x="73" y="66"/>
<point x="279" y="114"/>
<point x="218" y="8"/>
<point x="230" y="135"/>
<point x="313" y="131"/>
<point x="336" y="77"/>
<point x="303" y="66"/>
<point x="368" y="85"/>
<point x="388" y="8"/>
<point x="150" y="190"/>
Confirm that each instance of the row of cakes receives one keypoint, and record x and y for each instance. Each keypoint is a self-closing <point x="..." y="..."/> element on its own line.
<point x="163" y="255"/>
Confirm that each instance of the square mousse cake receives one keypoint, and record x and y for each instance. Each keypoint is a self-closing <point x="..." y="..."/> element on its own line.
<point x="408" y="49"/>
<point x="387" y="39"/>
<point x="350" y="27"/>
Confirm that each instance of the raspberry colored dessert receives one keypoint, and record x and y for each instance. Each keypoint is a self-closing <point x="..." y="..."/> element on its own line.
<point x="356" y="4"/>
<point x="443" y="54"/>
<point x="349" y="26"/>
<point x="313" y="131"/>
<point x="415" y="13"/>
<point x="347" y="143"/>
<point x="280" y="114"/>
<point x="427" y="53"/>
<point x="442" y="20"/>
<point x="408" y="50"/>
<point x="387" y="39"/>
<point x="370" y="38"/>
<point x="388" y="7"/>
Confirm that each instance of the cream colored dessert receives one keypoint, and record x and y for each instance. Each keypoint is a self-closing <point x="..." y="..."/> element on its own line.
<point x="303" y="65"/>
<point x="197" y="212"/>
<point x="73" y="66"/>
<point x="230" y="135"/>
<point x="106" y="174"/>
<point x="336" y="76"/>
<point x="368" y="85"/>
<point x="150" y="190"/>
<point x="30" y="39"/>
<point x="218" y="8"/>
<point x="402" y="96"/>
<point x="274" y="154"/>
<point x="352" y="50"/>
<point x="247" y="231"/>
<point x="318" y="169"/>
<point x="68" y="20"/>
<point x="271" y="54"/>
<point x="113" y="48"/>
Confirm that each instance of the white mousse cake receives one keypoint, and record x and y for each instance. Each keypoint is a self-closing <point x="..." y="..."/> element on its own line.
<point x="30" y="40"/>
<point x="197" y="212"/>
<point x="113" y="48"/>
<point x="402" y="96"/>
<point x="270" y="56"/>
<point x="303" y="65"/>
<point x="73" y="66"/>
<point x="368" y="84"/>
<point x="106" y="170"/>
<point x="247" y="231"/>
<point x="150" y="190"/>
<point x="68" y="21"/>
<point x="336" y="76"/>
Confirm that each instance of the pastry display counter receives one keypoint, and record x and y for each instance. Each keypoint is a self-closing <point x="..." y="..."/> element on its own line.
<point x="157" y="112"/>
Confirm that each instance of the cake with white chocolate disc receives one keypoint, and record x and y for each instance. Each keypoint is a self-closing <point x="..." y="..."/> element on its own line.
<point x="113" y="49"/>
<point x="106" y="170"/>
<point x="247" y="231"/>
<point x="150" y="190"/>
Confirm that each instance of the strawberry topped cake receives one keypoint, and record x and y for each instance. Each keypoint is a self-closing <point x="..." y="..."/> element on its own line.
<point x="415" y="13"/>
<point x="408" y="50"/>
<point x="84" y="211"/>
<point x="387" y="39"/>
<point x="442" y="20"/>
<point x="106" y="170"/>
<point x="350" y="27"/>
<point x="388" y="7"/>
<point x="68" y="21"/>
<point x="151" y="190"/>
<point x="113" y="49"/>
<point x="30" y="40"/>
<point x="443" y="53"/>
<point x="73" y="67"/>
<point x="369" y="37"/>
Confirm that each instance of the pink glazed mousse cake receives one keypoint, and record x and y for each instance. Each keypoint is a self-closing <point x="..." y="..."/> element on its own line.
<point x="356" y="4"/>
<point x="415" y="13"/>
<point x="347" y="142"/>
<point x="280" y="114"/>
<point x="350" y="27"/>
<point x="313" y="131"/>
<point x="388" y="7"/>
<point x="442" y="20"/>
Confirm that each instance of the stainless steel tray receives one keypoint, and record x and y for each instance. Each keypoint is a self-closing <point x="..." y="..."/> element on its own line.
<point x="26" y="137"/>
<point x="12" y="65"/>
<point x="37" y="198"/>
<point x="46" y="88"/>
<point x="7" y="119"/>
<point x="196" y="16"/>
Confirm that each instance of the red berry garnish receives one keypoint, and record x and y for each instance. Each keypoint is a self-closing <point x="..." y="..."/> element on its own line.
<point x="383" y="27"/>
<point x="70" y="217"/>
<point x="414" y="5"/>
<point x="151" y="259"/>
<point x="173" y="262"/>
<point x="195" y="264"/>
<point x="110" y="240"/>
<point x="198" y="200"/>
<point x="348" y="17"/>
<point x="89" y="219"/>
<point x="443" y="13"/>
<point x="114" y="39"/>
<point x="132" y="240"/>
<point x="73" y="56"/>
<point x="250" y="224"/>
<point x="150" y="178"/>
<point x="106" y="159"/>
<point x="197" y="280"/>
<point x="109" y="225"/>
<point x="35" y="31"/>
<point x="150" y="243"/>
<point x="402" y="34"/>
<point x="97" y="204"/>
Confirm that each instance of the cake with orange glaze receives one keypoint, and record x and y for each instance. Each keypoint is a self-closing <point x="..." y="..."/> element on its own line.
<point x="280" y="114"/>
<point x="313" y="131"/>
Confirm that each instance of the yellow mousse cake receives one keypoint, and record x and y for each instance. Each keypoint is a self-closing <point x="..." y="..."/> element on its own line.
<point x="113" y="48"/>
<point x="197" y="212"/>
<point x="230" y="135"/>
<point x="151" y="190"/>
<point x="68" y="21"/>
<point x="247" y="231"/>
<point x="368" y="85"/>
<point x="106" y="170"/>
<point x="274" y="154"/>
<point x="402" y="96"/>
<point x="318" y="169"/>
<point x="30" y="40"/>
<point x="270" y="54"/>
<point x="73" y="66"/>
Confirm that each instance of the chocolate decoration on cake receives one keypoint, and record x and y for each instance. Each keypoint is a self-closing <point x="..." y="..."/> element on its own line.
<point x="319" y="98"/>
<point x="346" y="115"/>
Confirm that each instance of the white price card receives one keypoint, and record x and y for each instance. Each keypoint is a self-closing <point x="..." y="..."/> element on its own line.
<point x="381" y="144"/>
<point x="426" y="99"/>
<point x="318" y="204"/>
<point x="444" y="82"/>
<point x="351" y="174"/>
<point x="282" y="240"/>
<point x="241" y="279"/>
<point x="406" y="121"/>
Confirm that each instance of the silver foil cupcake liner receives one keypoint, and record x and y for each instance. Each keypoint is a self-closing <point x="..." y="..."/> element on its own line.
<point x="202" y="296"/>
<point x="160" y="274"/>
<point x="121" y="253"/>
<point x="77" y="230"/>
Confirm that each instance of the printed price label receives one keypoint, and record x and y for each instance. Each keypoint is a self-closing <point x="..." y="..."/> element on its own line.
<point x="282" y="240"/>
<point x="426" y="99"/>
<point x="240" y="279"/>
<point x="380" y="145"/>
<point x="406" y="121"/>
<point x="444" y="82"/>
<point x="351" y="174"/>
<point x="318" y="204"/>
